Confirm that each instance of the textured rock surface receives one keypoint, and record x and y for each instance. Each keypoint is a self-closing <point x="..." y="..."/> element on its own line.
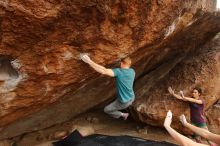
<point x="213" y="114"/>
<point x="43" y="39"/>
<point x="200" y="68"/>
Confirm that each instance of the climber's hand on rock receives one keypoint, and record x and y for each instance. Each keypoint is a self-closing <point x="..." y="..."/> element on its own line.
<point x="171" y="91"/>
<point x="84" y="57"/>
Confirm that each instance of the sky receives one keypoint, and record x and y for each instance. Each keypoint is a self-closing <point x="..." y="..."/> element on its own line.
<point x="218" y="4"/>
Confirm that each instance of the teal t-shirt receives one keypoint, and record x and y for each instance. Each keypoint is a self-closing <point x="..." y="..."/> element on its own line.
<point x="124" y="83"/>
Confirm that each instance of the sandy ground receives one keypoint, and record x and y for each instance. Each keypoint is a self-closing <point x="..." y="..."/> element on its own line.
<point x="102" y="123"/>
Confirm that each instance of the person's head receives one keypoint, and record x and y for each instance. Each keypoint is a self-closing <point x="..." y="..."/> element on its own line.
<point x="196" y="92"/>
<point x="125" y="62"/>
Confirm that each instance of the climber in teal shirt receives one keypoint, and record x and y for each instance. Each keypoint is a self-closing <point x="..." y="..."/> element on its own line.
<point x="124" y="82"/>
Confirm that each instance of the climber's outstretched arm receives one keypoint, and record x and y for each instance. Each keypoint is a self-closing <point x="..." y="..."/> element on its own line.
<point x="97" y="67"/>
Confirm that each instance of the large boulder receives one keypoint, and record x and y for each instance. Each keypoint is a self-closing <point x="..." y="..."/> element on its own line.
<point x="200" y="68"/>
<point x="43" y="82"/>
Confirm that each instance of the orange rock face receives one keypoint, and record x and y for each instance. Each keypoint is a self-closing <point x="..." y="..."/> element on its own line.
<point x="43" y="39"/>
